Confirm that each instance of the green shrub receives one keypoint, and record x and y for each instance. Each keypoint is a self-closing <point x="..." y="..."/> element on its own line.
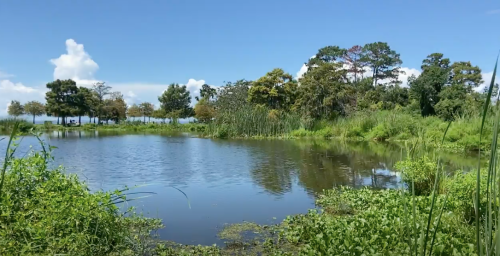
<point x="89" y="126"/>
<point x="47" y="212"/>
<point x="462" y="186"/>
<point x="421" y="171"/>
<point x="373" y="225"/>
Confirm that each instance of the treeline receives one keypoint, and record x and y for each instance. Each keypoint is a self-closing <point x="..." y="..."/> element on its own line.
<point x="338" y="82"/>
<point x="65" y="99"/>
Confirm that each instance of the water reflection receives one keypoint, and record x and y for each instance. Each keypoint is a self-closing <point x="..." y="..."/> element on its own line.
<point x="227" y="181"/>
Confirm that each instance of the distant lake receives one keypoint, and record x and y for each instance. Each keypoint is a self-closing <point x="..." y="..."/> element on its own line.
<point x="227" y="181"/>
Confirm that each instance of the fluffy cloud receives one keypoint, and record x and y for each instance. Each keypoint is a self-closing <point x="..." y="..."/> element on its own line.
<point x="302" y="70"/>
<point x="76" y="64"/>
<point x="486" y="81"/>
<point x="17" y="91"/>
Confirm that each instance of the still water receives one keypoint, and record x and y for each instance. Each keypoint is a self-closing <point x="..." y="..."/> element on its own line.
<point x="227" y="181"/>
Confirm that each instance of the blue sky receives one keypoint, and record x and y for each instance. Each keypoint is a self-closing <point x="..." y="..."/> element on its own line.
<point x="139" y="47"/>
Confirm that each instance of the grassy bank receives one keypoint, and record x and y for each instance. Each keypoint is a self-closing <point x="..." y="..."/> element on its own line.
<point x="7" y="124"/>
<point x="399" y="126"/>
<point x="393" y="125"/>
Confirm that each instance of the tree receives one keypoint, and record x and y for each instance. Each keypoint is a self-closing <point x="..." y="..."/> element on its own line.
<point x="383" y="61"/>
<point x="207" y="92"/>
<point x="146" y="110"/>
<point x="232" y="96"/>
<point x="34" y="108"/>
<point x="160" y="114"/>
<point x="176" y="101"/>
<point x="134" y="111"/>
<point x="457" y="96"/>
<point x="324" y="92"/>
<point x="204" y="110"/>
<point x="271" y="90"/>
<point x="328" y="54"/>
<point x="84" y="99"/>
<point x="101" y="90"/>
<point x="464" y="73"/>
<point x="426" y="88"/>
<point x="61" y="98"/>
<point x="15" y="108"/>
<point x="354" y="61"/>
<point x="115" y="108"/>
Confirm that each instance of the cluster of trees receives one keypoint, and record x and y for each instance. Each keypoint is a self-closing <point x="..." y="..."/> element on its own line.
<point x="65" y="99"/>
<point x="33" y="108"/>
<point x="338" y="82"/>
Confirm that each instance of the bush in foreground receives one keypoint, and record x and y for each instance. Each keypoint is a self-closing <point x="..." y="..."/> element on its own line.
<point x="48" y="212"/>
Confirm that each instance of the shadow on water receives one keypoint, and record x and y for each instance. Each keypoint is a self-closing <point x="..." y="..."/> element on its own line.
<point x="227" y="181"/>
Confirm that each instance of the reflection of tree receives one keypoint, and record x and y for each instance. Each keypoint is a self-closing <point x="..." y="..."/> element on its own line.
<point x="273" y="167"/>
<point x="322" y="165"/>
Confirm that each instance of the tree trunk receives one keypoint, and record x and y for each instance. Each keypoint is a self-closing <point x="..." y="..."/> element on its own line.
<point x="94" y="119"/>
<point x="33" y="119"/>
<point x="63" y="122"/>
<point x="149" y="120"/>
<point x="57" y="120"/>
<point x="79" y="120"/>
<point x="90" y="119"/>
<point x="144" y="119"/>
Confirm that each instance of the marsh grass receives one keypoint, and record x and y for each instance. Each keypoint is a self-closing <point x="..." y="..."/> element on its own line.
<point x="249" y="121"/>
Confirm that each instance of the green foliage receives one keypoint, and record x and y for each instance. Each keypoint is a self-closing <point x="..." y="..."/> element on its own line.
<point x="275" y="90"/>
<point x="176" y="101"/>
<point x="114" y="108"/>
<point x="146" y="109"/>
<point x="420" y="171"/>
<point x="383" y="61"/>
<point x="7" y="124"/>
<point x="61" y="98"/>
<point x="204" y="110"/>
<point x="44" y="211"/>
<point x="15" y="108"/>
<point x="368" y="222"/>
<point x="34" y="108"/>
<point x="249" y="121"/>
<point x="134" y="111"/>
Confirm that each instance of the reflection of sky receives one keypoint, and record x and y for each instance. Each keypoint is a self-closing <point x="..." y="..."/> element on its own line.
<point x="227" y="181"/>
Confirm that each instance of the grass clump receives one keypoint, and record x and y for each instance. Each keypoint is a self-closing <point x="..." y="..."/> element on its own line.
<point x="44" y="211"/>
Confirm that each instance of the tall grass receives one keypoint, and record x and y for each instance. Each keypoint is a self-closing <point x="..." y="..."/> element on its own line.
<point x="490" y="233"/>
<point x="7" y="125"/>
<point x="249" y="121"/>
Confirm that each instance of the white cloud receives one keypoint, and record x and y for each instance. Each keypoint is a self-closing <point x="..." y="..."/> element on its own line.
<point x="403" y="76"/>
<point x="76" y="64"/>
<point x="17" y="91"/>
<point x="302" y="70"/>
<point x="486" y="81"/>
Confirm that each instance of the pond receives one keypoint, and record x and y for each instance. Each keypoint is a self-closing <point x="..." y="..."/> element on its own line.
<point x="227" y="181"/>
